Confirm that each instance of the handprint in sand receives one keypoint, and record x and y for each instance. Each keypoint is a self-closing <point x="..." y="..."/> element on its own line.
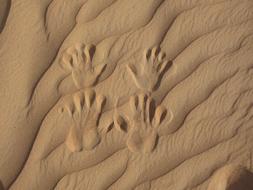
<point x="142" y="123"/>
<point x="150" y="71"/>
<point x="78" y="60"/>
<point x="85" y="111"/>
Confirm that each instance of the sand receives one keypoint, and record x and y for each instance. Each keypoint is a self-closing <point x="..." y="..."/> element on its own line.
<point x="126" y="94"/>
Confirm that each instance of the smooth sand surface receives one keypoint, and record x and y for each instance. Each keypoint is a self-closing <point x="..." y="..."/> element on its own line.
<point x="126" y="94"/>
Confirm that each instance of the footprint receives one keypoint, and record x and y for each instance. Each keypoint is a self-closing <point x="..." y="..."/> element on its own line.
<point x="154" y="65"/>
<point x="84" y="111"/>
<point x="78" y="60"/>
<point x="143" y="121"/>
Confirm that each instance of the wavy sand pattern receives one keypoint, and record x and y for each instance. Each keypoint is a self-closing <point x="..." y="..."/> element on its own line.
<point x="126" y="94"/>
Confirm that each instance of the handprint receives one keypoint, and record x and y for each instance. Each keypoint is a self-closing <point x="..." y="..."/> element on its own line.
<point x="151" y="70"/>
<point x="143" y="124"/>
<point x="85" y="114"/>
<point x="78" y="60"/>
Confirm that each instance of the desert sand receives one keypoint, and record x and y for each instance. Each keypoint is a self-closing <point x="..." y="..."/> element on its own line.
<point x="126" y="94"/>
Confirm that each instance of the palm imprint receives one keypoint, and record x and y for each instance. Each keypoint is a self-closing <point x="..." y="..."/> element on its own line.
<point x="85" y="111"/>
<point x="78" y="60"/>
<point x="151" y="70"/>
<point x="143" y="124"/>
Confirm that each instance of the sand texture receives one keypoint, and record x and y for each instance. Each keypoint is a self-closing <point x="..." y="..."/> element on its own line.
<point x="126" y="95"/>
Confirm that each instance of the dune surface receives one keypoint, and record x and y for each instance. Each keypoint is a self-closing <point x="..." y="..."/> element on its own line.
<point x="126" y="94"/>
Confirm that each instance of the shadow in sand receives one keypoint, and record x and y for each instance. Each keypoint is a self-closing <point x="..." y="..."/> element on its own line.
<point x="243" y="182"/>
<point x="1" y="186"/>
<point x="6" y="9"/>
